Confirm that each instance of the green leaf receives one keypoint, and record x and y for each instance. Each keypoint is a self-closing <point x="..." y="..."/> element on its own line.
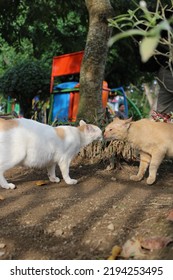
<point x="147" y="47"/>
<point x="130" y="32"/>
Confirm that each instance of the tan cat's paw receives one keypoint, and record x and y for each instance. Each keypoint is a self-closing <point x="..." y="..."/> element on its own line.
<point x="135" y="178"/>
<point x="150" y="181"/>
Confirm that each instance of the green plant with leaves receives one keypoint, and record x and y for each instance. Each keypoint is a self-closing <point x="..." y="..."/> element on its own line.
<point x="149" y="27"/>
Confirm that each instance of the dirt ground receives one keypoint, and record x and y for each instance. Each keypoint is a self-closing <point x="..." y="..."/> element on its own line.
<point x="84" y="221"/>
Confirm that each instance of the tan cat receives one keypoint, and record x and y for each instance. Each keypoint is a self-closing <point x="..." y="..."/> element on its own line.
<point x="154" y="141"/>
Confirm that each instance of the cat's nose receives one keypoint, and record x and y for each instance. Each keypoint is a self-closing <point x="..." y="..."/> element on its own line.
<point x="105" y="134"/>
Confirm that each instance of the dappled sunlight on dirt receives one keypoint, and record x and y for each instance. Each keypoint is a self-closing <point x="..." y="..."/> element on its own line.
<point x="58" y="221"/>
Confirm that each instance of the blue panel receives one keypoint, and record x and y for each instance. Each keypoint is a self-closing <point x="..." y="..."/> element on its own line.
<point x="61" y="106"/>
<point x="61" y="102"/>
<point x="66" y="85"/>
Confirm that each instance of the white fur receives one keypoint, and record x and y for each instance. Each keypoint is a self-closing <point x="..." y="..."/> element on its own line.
<point x="33" y="144"/>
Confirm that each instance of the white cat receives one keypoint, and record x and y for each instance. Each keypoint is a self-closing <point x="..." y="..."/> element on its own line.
<point x="32" y="144"/>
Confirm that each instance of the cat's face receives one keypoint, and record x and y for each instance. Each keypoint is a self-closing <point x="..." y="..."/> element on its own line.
<point x="117" y="130"/>
<point x="91" y="132"/>
<point x="94" y="132"/>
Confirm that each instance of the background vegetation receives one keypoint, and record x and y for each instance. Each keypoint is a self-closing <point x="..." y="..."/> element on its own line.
<point x="32" y="32"/>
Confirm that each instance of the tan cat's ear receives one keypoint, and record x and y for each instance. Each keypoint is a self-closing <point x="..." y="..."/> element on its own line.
<point x="128" y="120"/>
<point x="115" y="119"/>
<point x="82" y="123"/>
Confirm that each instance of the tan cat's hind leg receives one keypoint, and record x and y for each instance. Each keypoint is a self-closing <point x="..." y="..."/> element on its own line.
<point x="144" y="163"/>
<point x="154" y="165"/>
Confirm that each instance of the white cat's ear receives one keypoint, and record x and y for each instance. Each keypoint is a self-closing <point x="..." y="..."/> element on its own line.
<point x="82" y="123"/>
<point x="90" y="128"/>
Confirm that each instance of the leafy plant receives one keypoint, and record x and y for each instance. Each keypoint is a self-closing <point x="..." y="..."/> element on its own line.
<point x="147" y="26"/>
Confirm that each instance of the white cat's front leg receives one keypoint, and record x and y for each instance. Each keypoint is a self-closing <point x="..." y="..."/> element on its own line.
<point x="51" y="174"/>
<point x="4" y="184"/>
<point x="64" y="166"/>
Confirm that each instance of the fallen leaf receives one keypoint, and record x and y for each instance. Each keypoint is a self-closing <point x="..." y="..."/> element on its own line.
<point x="42" y="183"/>
<point x="1" y="197"/>
<point x="2" y="245"/>
<point x="156" y="243"/>
<point x="111" y="227"/>
<point x="170" y="216"/>
<point x="110" y="258"/>
<point x="59" y="232"/>
<point x="2" y="253"/>
<point x="132" y="248"/>
<point x="116" y="250"/>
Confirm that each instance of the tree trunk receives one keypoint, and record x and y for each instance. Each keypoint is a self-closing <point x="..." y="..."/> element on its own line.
<point x="94" y="60"/>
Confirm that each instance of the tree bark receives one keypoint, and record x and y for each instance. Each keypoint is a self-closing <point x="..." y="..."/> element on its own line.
<point x="94" y="60"/>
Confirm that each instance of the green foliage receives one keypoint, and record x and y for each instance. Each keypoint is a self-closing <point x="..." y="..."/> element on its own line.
<point x="148" y="25"/>
<point x="42" y="29"/>
<point x="10" y="57"/>
<point x="24" y="81"/>
<point x="138" y="98"/>
<point x="49" y="26"/>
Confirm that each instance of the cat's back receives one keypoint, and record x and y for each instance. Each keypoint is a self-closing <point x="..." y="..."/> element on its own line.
<point x="7" y="125"/>
<point x="154" y="127"/>
<point x="149" y="130"/>
<point x="21" y="129"/>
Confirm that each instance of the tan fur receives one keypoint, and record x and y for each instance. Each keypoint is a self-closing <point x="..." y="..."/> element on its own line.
<point x="82" y="128"/>
<point x="7" y="124"/>
<point x="60" y="132"/>
<point x="154" y="140"/>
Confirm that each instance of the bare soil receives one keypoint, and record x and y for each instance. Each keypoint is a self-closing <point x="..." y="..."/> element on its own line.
<point x="83" y="221"/>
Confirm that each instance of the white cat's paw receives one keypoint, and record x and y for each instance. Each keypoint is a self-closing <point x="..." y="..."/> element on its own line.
<point x="71" y="181"/>
<point x="54" y="179"/>
<point x="9" y="186"/>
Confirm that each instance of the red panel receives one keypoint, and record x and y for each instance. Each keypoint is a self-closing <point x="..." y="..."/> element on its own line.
<point x="67" y="64"/>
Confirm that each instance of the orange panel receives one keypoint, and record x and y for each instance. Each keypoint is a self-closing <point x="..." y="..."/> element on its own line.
<point x="75" y="98"/>
<point x="105" y="93"/>
<point x="75" y="106"/>
<point x="70" y="113"/>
